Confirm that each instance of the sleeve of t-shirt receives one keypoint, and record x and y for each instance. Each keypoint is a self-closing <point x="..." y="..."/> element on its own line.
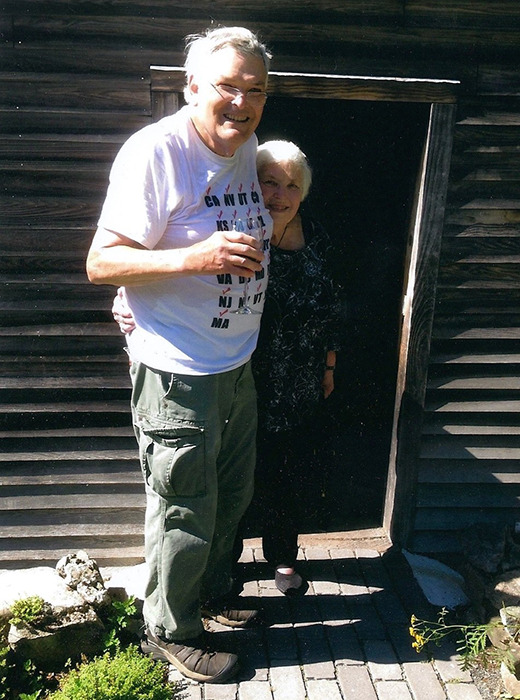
<point x="142" y="190"/>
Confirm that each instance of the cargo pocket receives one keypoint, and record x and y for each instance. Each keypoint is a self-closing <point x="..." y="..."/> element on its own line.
<point x="174" y="461"/>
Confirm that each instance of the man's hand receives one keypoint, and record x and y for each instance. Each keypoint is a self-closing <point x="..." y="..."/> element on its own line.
<point x="115" y="259"/>
<point x="233" y="252"/>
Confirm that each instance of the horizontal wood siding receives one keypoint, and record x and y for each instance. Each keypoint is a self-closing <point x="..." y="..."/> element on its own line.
<point x="69" y="474"/>
<point x="74" y="83"/>
<point x="470" y="449"/>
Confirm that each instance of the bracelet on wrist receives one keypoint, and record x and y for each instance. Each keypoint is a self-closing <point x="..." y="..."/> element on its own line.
<point x="330" y="367"/>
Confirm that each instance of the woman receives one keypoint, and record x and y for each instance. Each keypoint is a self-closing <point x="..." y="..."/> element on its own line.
<point x="295" y="357"/>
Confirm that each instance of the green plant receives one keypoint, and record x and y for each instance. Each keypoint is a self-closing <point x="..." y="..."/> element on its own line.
<point x="4" y="671"/>
<point x="118" y="617"/>
<point x="471" y="639"/>
<point x="29" y="611"/>
<point x="126" y="675"/>
<point x="20" y="680"/>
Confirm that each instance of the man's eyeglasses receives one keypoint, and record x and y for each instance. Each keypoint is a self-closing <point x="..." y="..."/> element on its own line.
<point x="253" y="96"/>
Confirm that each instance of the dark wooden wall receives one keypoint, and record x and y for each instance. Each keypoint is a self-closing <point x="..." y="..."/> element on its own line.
<point x="74" y="83"/>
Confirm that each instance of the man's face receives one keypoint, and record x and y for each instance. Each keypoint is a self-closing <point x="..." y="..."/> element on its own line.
<point x="224" y="123"/>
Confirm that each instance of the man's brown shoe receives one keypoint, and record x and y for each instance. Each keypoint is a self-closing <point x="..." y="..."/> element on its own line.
<point x="192" y="658"/>
<point x="229" y="614"/>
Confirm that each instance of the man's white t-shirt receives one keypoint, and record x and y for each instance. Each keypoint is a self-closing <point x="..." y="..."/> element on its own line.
<point x="168" y="190"/>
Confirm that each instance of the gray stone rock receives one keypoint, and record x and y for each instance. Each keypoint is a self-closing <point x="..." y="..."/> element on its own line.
<point x="505" y="590"/>
<point x="125" y="581"/>
<point x="76" y="590"/>
<point x="512" y="558"/>
<point x="42" y="581"/>
<point x="81" y="573"/>
<point x="484" y="546"/>
<point x="65" y="638"/>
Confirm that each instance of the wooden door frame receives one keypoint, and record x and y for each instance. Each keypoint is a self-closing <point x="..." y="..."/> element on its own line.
<point x="167" y="84"/>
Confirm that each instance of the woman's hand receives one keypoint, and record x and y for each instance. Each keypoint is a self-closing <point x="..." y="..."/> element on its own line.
<point x="327" y="383"/>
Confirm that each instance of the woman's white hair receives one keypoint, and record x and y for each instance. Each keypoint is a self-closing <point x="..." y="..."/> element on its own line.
<point x="285" y="152"/>
<point x="200" y="47"/>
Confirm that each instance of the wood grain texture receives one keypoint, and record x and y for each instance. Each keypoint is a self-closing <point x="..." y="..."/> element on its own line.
<point x="75" y="82"/>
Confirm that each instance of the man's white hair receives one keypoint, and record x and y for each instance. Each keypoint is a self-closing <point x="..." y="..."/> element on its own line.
<point x="200" y="47"/>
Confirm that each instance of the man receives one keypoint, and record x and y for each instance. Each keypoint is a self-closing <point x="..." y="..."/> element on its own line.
<point x="166" y="232"/>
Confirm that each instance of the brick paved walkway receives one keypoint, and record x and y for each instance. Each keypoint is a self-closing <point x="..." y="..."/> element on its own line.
<point x="347" y="639"/>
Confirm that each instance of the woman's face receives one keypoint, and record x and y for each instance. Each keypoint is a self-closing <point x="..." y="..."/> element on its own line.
<point x="281" y="185"/>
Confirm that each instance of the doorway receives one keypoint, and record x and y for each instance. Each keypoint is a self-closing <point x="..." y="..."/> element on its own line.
<point x="380" y="150"/>
<point x="365" y="158"/>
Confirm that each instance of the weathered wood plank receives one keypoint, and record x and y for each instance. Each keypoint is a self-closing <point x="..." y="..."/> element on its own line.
<point x="51" y="212"/>
<point x="498" y="80"/>
<point x="475" y="358"/>
<point x="418" y="313"/>
<point x="482" y="317"/>
<point x="441" y="545"/>
<point x="88" y="329"/>
<point x="453" y="471"/>
<point x="100" y="431"/>
<point x="465" y="407"/>
<point x="72" y="345"/>
<point x="83" y="382"/>
<point x="501" y="170"/>
<point x="468" y="496"/>
<point x="66" y="407"/>
<point x="475" y="271"/>
<point x="61" y="366"/>
<point x="70" y="147"/>
<point x="437" y="521"/>
<point x="478" y="215"/>
<point x="41" y="261"/>
<point x="119" y="514"/>
<point x="462" y="247"/>
<point x="54" y="30"/>
<point x="37" y="532"/>
<point x="71" y="121"/>
<point x="73" y="476"/>
<point x="478" y="231"/>
<point x="42" y="306"/>
<point x="438" y="529"/>
<point x="498" y="383"/>
<point x="30" y="557"/>
<point x="82" y="501"/>
<point x="17" y="239"/>
<point x="493" y="118"/>
<point x="475" y="333"/>
<point x="462" y="13"/>
<point x="241" y="9"/>
<point x="78" y="456"/>
<point x="137" y="61"/>
<point x="85" y="92"/>
<point x="444" y="428"/>
<point x="54" y="178"/>
<point x="334" y="86"/>
<point x="451" y="449"/>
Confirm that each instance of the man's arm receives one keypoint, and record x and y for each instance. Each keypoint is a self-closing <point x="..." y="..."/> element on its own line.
<point x="115" y="259"/>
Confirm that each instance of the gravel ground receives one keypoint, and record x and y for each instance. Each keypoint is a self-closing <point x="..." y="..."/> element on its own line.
<point x="488" y="681"/>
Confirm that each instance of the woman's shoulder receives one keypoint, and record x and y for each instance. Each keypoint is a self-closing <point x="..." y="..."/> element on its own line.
<point x="313" y="230"/>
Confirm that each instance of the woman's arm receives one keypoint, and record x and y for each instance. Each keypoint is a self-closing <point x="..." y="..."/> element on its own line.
<point x="327" y="383"/>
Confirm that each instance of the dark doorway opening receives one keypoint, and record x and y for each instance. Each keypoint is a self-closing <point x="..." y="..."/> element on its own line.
<point x="365" y="158"/>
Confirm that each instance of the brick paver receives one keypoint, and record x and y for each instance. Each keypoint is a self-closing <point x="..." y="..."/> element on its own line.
<point x="346" y="639"/>
<point x="423" y="681"/>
